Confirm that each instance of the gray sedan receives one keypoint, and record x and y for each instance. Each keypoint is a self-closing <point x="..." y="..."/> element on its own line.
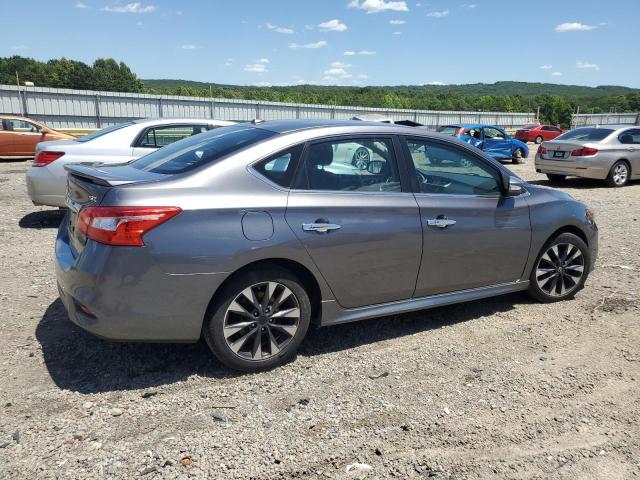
<point x="246" y="235"/>
<point x="610" y="153"/>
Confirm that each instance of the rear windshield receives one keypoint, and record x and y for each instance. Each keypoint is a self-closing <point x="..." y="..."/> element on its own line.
<point x="528" y="127"/>
<point x="202" y="149"/>
<point x="448" y="130"/>
<point x="104" y="131"/>
<point x="586" y="133"/>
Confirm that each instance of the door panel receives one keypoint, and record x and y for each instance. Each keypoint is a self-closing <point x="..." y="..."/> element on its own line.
<point x="488" y="244"/>
<point x="496" y="143"/>
<point x="473" y="236"/>
<point x="360" y="229"/>
<point x="375" y="254"/>
<point x="25" y="136"/>
<point x="6" y="143"/>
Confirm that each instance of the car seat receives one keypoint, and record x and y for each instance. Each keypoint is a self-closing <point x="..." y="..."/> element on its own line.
<point x="320" y="156"/>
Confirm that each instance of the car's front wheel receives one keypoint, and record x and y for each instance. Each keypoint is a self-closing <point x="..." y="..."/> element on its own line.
<point x="258" y="320"/>
<point x="518" y="156"/>
<point x="561" y="269"/>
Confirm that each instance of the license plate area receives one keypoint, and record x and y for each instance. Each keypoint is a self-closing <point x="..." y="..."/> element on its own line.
<point x="558" y="154"/>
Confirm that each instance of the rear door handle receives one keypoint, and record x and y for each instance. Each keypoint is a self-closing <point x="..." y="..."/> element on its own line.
<point x="320" y="227"/>
<point x="440" y="222"/>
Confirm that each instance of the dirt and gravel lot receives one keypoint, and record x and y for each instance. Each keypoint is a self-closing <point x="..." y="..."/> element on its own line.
<point x="501" y="388"/>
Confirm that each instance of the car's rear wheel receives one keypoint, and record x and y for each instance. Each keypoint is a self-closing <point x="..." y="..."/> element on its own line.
<point x="560" y="269"/>
<point x="554" y="178"/>
<point x="618" y="175"/>
<point x="258" y="320"/>
<point x="518" y="156"/>
<point x="539" y="139"/>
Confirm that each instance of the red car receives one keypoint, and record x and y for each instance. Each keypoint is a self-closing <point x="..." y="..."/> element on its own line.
<point x="538" y="133"/>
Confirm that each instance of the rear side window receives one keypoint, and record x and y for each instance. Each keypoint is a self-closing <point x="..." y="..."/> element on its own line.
<point x="586" y="133"/>
<point x="158" y="137"/>
<point x="193" y="152"/>
<point x="281" y="167"/>
<point x="104" y="131"/>
<point x="448" y="130"/>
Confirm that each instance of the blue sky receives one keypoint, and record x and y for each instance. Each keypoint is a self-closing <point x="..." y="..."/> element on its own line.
<point x="347" y="42"/>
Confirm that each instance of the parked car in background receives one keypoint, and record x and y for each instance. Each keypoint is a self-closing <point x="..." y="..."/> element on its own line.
<point x="247" y="234"/>
<point x="607" y="152"/>
<point x="492" y="140"/>
<point x="19" y="136"/>
<point x="47" y="178"/>
<point x="538" y="133"/>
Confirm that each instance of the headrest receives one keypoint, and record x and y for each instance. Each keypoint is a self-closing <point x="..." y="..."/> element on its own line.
<point x="321" y="154"/>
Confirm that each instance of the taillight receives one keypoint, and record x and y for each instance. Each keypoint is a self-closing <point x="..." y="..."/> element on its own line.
<point x="122" y="225"/>
<point x="584" y="152"/>
<point x="542" y="150"/>
<point x="45" y="158"/>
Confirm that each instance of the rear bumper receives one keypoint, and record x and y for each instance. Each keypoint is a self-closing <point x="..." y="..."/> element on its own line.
<point x="129" y="296"/>
<point x="44" y="188"/>
<point x="575" y="168"/>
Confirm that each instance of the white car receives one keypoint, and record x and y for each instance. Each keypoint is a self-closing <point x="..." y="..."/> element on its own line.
<point x="47" y="178"/>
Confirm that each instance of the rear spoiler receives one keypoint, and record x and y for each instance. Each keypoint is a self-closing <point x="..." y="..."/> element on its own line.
<point x="109" y="176"/>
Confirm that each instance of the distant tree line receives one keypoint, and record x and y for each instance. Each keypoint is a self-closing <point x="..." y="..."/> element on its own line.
<point x="556" y="102"/>
<point x="105" y="74"/>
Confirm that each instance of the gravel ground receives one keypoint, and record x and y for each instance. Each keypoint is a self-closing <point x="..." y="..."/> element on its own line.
<point x="500" y="388"/>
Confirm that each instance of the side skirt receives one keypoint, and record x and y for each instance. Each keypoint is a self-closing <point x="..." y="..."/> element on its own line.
<point x="333" y="314"/>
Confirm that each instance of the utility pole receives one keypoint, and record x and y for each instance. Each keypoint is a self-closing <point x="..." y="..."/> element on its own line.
<point x="19" y="96"/>
<point x="538" y="114"/>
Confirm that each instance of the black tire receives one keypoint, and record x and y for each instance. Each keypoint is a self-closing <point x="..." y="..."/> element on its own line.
<point x="554" y="178"/>
<point x="518" y="156"/>
<point x="539" y="139"/>
<point x="213" y="329"/>
<point x="535" y="290"/>
<point x="615" y="178"/>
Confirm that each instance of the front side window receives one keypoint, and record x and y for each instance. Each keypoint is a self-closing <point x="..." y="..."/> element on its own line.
<point x="350" y="165"/>
<point x="281" y="167"/>
<point x="158" y="137"/>
<point x="444" y="169"/>
<point x="491" y="133"/>
<point x="195" y="151"/>
<point x="631" y="137"/>
<point x="18" y="126"/>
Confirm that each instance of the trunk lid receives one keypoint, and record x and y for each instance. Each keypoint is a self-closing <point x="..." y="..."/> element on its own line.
<point x="559" y="150"/>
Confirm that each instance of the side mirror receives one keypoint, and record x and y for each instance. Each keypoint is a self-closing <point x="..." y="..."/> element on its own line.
<point x="512" y="187"/>
<point x="375" y="167"/>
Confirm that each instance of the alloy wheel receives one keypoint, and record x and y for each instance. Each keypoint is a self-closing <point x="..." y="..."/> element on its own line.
<point x="261" y="321"/>
<point x="620" y="174"/>
<point x="560" y="269"/>
<point x="361" y="158"/>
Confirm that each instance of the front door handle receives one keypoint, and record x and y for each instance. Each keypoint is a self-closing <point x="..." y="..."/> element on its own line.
<point x="440" y="222"/>
<point x="320" y="227"/>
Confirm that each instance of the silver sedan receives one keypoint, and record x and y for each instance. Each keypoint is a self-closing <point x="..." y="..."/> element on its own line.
<point x="608" y="152"/>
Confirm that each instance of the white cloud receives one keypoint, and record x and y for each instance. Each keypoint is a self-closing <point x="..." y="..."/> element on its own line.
<point x="363" y="76"/>
<point x="319" y="44"/>
<point x="255" y="68"/>
<point x="188" y="46"/>
<point x="135" y="7"/>
<point x="546" y="67"/>
<point x="338" y="72"/>
<point x="469" y="6"/>
<point x="139" y="23"/>
<point x="435" y="82"/>
<point x="397" y="22"/>
<point x="581" y="64"/>
<point x="340" y="65"/>
<point x="573" y="26"/>
<point x="81" y="5"/>
<point x="397" y="33"/>
<point x="332" y="26"/>
<point x="351" y="53"/>
<point x="263" y="60"/>
<point x="441" y="14"/>
<point x="376" y="6"/>
<point x="275" y="28"/>
<point x="179" y="12"/>
<point x="19" y="47"/>
<point x="557" y="74"/>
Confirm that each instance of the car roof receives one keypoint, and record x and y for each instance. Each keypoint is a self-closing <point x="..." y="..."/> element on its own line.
<point x="288" y="126"/>
<point x="18" y="117"/>
<point x="163" y="120"/>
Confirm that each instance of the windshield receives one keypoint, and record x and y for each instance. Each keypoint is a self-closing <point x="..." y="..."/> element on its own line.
<point x="587" y="133"/>
<point x="202" y="149"/>
<point x="448" y="130"/>
<point x="104" y="131"/>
